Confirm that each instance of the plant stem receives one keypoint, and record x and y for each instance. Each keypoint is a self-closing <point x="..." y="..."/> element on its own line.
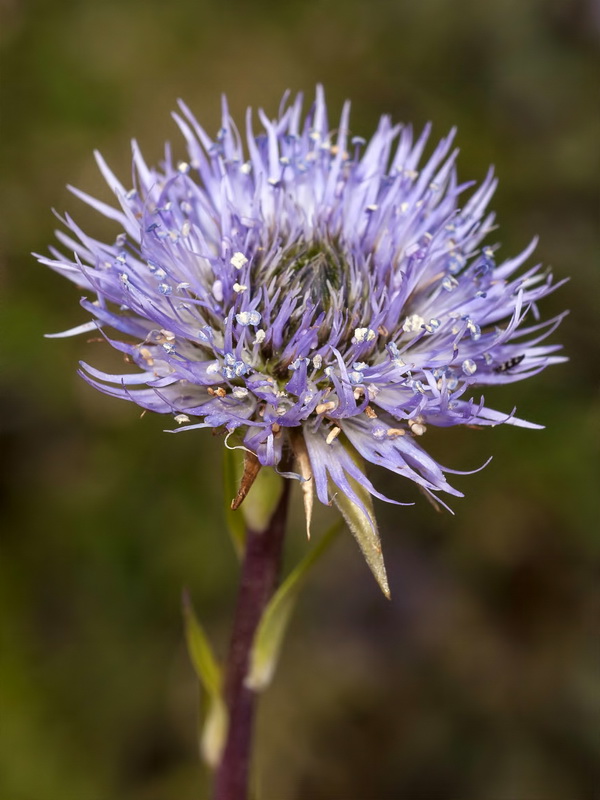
<point x="260" y="574"/>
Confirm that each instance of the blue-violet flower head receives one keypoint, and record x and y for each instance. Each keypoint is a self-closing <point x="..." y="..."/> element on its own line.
<point x="311" y="292"/>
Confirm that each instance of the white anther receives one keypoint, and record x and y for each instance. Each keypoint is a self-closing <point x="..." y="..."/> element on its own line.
<point x="432" y="325"/>
<point x="413" y="323"/>
<point x="323" y="408"/>
<point x="417" y="426"/>
<point x="246" y="318"/>
<point x="238" y="260"/>
<point x="364" y="335"/>
<point x="181" y="418"/>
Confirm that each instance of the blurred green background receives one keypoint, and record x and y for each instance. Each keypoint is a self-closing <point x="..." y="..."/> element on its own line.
<point x="480" y="680"/>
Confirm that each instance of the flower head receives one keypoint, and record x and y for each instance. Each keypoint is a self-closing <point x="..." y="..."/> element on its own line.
<point x="310" y="291"/>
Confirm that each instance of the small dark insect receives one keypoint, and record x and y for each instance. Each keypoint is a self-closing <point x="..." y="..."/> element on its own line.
<point x="512" y="362"/>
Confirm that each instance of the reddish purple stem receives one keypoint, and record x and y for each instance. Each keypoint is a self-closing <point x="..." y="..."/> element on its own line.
<point x="259" y="578"/>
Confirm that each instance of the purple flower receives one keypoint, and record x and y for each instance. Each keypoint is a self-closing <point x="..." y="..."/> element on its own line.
<point x="303" y="288"/>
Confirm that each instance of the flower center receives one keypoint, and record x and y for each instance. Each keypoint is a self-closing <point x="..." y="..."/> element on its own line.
<point x="320" y="271"/>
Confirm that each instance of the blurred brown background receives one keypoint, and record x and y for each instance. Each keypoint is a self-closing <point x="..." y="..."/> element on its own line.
<point x="480" y="680"/>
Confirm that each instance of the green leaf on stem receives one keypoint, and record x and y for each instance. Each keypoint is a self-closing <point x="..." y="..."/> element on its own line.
<point x="363" y="525"/>
<point x="273" y="624"/>
<point x="262" y="499"/>
<point x="214" y="727"/>
<point x="232" y="472"/>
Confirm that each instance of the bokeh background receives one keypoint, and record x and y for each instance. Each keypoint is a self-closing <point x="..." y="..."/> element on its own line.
<point x="480" y="679"/>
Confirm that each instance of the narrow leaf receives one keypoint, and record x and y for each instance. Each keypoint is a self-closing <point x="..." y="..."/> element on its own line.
<point x="273" y="625"/>
<point x="214" y="732"/>
<point x="232" y="471"/>
<point x="364" y="527"/>
<point x="201" y="654"/>
<point x="214" y="729"/>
